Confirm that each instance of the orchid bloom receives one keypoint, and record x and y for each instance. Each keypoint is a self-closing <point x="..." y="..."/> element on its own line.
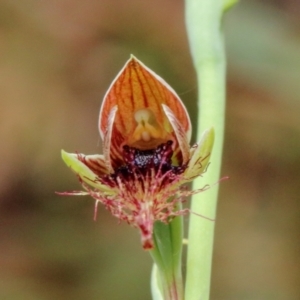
<point x="146" y="131"/>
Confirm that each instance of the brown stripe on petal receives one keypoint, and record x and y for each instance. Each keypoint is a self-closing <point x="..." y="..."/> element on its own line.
<point x="148" y="93"/>
<point x="116" y="150"/>
<point x="116" y="95"/>
<point x="113" y="95"/>
<point x="154" y="94"/>
<point x="124" y="120"/>
<point x="164" y="94"/>
<point x="96" y="163"/>
<point x="139" y="97"/>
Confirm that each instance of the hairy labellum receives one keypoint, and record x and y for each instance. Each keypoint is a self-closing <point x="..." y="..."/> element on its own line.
<point x="142" y="163"/>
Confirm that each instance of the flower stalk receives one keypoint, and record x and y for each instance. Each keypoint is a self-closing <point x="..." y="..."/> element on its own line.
<point x="203" y="21"/>
<point x="167" y="258"/>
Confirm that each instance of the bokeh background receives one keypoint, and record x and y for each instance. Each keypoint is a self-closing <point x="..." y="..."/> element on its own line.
<point x="57" y="59"/>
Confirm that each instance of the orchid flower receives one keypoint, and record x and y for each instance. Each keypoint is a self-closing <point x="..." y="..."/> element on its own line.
<point x="146" y="131"/>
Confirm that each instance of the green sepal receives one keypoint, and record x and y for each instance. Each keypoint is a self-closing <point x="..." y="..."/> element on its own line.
<point x="89" y="177"/>
<point x="201" y="155"/>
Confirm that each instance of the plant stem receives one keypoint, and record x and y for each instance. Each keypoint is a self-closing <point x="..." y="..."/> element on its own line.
<point x="167" y="257"/>
<point x="203" y="20"/>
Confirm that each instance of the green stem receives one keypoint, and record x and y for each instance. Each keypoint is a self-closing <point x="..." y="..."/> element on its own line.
<point x="167" y="257"/>
<point x="203" y="20"/>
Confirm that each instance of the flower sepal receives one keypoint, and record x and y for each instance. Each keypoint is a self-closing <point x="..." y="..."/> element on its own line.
<point x="200" y="154"/>
<point x="75" y="163"/>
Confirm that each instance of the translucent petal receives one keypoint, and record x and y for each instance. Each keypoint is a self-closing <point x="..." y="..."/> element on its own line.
<point x="200" y="155"/>
<point x="179" y="132"/>
<point x="107" y="141"/>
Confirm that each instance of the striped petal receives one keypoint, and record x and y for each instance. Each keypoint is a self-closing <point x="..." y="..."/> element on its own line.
<point x="140" y="120"/>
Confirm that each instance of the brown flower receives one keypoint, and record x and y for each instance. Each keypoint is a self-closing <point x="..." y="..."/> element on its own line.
<point x="146" y="158"/>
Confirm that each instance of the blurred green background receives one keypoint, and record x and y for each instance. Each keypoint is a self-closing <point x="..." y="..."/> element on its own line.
<point x="57" y="58"/>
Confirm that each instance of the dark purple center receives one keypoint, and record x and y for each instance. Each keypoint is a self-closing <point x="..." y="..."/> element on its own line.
<point x="139" y="163"/>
